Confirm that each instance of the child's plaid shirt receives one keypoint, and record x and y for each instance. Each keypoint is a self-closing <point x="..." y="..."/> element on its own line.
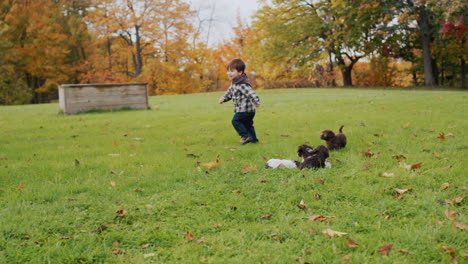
<point x="243" y="96"/>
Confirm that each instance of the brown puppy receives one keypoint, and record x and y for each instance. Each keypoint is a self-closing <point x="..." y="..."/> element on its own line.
<point x="334" y="141"/>
<point x="304" y="151"/>
<point x="317" y="159"/>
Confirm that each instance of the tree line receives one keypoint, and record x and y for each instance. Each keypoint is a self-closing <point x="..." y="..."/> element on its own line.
<point x="290" y="43"/>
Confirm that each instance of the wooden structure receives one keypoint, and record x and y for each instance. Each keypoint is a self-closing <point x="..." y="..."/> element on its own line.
<point x="76" y="98"/>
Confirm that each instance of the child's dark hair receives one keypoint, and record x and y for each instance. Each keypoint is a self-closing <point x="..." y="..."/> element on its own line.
<point x="237" y="64"/>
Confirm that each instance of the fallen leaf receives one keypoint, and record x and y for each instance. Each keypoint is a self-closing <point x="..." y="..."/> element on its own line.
<point x="367" y="166"/>
<point x="407" y="125"/>
<point x="201" y="240"/>
<point x="385" y="249"/>
<point x="317" y="196"/>
<point x="345" y="259"/>
<point x="437" y="155"/>
<point x="138" y="190"/>
<point x="447" y="249"/>
<point x="117" y="252"/>
<point x="388" y="174"/>
<point x="235" y="191"/>
<point x="249" y="168"/>
<point x="115" y="244"/>
<point x="116" y="143"/>
<point x="404" y="252"/>
<point x="441" y="136"/>
<point x="402" y="191"/>
<point x="416" y="166"/>
<point x="352" y="243"/>
<point x="211" y="164"/>
<point x="188" y="236"/>
<point x="452" y="215"/>
<point x="77" y="162"/>
<point x="399" y="157"/>
<point x="456" y="200"/>
<point x="320" y="218"/>
<point x="147" y="245"/>
<point x="332" y="233"/>
<point x="121" y="213"/>
<point x="113" y="184"/>
<point x="319" y="181"/>
<point x="268" y="216"/>
<point x="190" y="155"/>
<point x="301" y="205"/>
<point x="461" y="226"/>
<point x="284" y="135"/>
<point x="444" y="186"/>
<point x="368" y="153"/>
<point x="450" y="135"/>
<point x="100" y="229"/>
<point x="20" y="187"/>
<point x="453" y="259"/>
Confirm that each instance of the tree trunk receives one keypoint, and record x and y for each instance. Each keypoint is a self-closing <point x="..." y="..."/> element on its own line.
<point x="347" y="78"/>
<point x="425" y="30"/>
<point x="138" y="51"/>
<point x="463" y="73"/>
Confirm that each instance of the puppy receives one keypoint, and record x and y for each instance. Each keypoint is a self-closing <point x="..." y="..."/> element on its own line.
<point x="334" y="141"/>
<point x="304" y="151"/>
<point x="317" y="159"/>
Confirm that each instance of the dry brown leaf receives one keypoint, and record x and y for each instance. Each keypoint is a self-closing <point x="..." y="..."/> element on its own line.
<point x="447" y="249"/>
<point x="437" y="155"/>
<point x="452" y="215"/>
<point x="20" y="187"/>
<point x="416" y="166"/>
<point x="116" y="143"/>
<point x="456" y="200"/>
<point x="319" y="181"/>
<point x="385" y="249"/>
<point x="188" y="236"/>
<point x="147" y="245"/>
<point x="402" y="191"/>
<point x="332" y="233"/>
<point x="138" y="190"/>
<point x="453" y="259"/>
<point x="268" y="216"/>
<point x="320" y="218"/>
<point x="461" y="226"/>
<point x="191" y="155"/>
<point x="211" y="164"/>
<point x="368" y="153"/>
<point x="115" y="244"/>
<point x="121" y="213"/>
<point x="444" y="186"/>
<point x="284" y="135"/>
<point x="235" y="191"/>
<point x="301" y="205"/>
<point x="441" y="136"/>
<point x="352" y="243"/>
<point x="249" y="168"/>
<point x="399" y="157"/>
<point x="345" y="259"/>
<point x="404" y="252"/>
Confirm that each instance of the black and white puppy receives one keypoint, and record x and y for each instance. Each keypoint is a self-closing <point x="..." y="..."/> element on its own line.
<point x="334" y="141"/>
<point x="316" y="159"/>
<point x="304" y="151"/>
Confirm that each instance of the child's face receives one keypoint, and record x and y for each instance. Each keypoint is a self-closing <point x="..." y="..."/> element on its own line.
<point x="233" y="74"/>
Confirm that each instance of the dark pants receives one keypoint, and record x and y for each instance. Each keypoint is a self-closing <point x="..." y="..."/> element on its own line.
<point x="243" y="123"/>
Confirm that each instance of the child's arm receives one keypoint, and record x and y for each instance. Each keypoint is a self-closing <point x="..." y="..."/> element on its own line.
<point x="226" y="97"/>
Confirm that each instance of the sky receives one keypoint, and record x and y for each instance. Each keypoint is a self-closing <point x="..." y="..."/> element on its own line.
<point x="224" y="13"/>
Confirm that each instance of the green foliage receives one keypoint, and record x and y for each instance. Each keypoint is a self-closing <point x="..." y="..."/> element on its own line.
<point x="63" y="178"/>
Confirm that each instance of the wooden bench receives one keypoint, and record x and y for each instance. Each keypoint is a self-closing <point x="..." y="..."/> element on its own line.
<point x="77" y="98"/>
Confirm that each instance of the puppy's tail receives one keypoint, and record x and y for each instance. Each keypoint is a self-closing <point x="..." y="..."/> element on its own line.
<point x="341" y="128"/>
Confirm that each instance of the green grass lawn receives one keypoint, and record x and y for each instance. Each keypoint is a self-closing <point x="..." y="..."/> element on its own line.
<point x="140" y="193"/>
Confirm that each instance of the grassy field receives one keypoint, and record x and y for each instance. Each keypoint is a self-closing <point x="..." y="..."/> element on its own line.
<point x="131" y="186"/>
